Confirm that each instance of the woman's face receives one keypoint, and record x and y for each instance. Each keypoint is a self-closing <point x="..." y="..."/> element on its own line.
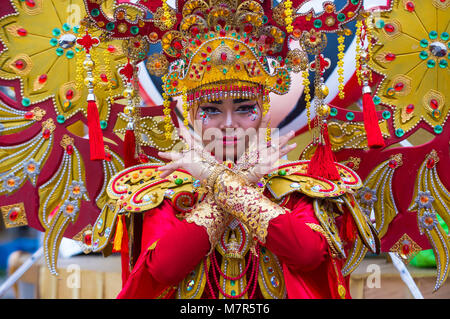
<point x="227" y="125"/>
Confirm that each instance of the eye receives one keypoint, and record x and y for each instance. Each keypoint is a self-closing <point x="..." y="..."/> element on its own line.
<point x="211" y="110"/>
<point x="245" y="108"/>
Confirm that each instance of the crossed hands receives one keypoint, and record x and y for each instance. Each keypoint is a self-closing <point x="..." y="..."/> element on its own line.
<point x="260" y="159"/>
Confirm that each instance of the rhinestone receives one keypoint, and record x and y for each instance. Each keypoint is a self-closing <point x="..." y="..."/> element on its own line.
<point x="274" y="281"/>
<point x="438" y="49"/>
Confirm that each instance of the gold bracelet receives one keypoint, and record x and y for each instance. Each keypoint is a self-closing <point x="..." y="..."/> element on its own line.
<point x="213" y="176"/>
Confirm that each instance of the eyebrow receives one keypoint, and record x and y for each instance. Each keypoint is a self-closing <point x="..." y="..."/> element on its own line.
<point x="235" y="101"/>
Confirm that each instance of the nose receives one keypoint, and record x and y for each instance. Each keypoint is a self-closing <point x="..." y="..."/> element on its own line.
<point x="229" y="121"/>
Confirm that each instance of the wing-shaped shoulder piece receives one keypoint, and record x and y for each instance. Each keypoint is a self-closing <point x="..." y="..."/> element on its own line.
<point x="138" y="189"/>
<point x="292" y="177"/>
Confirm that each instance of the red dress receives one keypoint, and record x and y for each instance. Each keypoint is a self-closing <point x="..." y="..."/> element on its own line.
<point x="177" y="247"/>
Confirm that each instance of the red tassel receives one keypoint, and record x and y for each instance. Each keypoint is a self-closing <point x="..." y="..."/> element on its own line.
<point x="322" y="164"/>
<point x="97" y="147"/>
<point x="373" y="132"/>
<point x="129" y="149"/>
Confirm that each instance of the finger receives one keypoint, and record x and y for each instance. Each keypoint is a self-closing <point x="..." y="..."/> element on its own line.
<point x="173" y="156"/>
<point x="168" y="169"/>
<point x="286" y="138"/>
<point x="285" y="150"/>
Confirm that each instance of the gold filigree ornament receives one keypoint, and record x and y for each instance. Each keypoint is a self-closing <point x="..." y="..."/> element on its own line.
<point x="14" y="215"/>
<point x="411" y="52"/>
<point x="405" y="248"/>
<point x="40" y="41"/>
<point x="157" y="64"/>
<point x="84" y="238"/>
<point x="431" y="202"/>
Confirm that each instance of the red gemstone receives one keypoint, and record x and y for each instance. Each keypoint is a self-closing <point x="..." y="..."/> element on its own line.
<point x="392" y="164"/>
<point x="410" y="6"/>
<point x="108" y="157"/>
<point x="195" y="30"/>
<point x="222" y="33"/>
<point x="88" y="239"/>
<point x="434" y="104"/>
<point x="279" y="81"/>
<point x="350" y="164"/>
<point x="69" y="94"/>
<point x="208" y="68"/>
<point x="430" y="163"/>
<point x="389" y="28"/>
<point x="223" y="56"/>
<point x="208" y="49"/>
<point x="111" y="48"/>
<point x="104" y="77"/>
<point x="312" y="38"/>
<point x="248" y="28"/>
<point x="46" y="134"/>
<point x="238" y="67"/>
<point x="175" y="83"/>
<point x="410" y="108"/>
<point x="177" y="45"/>
<point x="406" y="249"/>
<point x="137" y="44"/>
<point x="390" y="57"/>
<point x="399" y="86"/>
<point x="28" y="115"/>
<point x="69" y="149"/>
<point x="43" y="78"/>
<point x="236" y="47"/>
<point x="143" y="158"/>
<point x="19" y="64"/>
<point x="13" y="215"/>
<point x="30" y="3"/>
<point x="22" y="32"/>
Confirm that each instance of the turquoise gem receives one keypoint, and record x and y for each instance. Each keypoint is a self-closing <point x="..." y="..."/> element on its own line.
<point x="95" y="12"/>
<point x="56" y="32"/>
<point x="386" y="115"/>
<point x="70" y="54"/>
<point x="317" y="23"/>
<point x="103" y="124"/>
<point x="232" y="282"/>
<point x="376" y="100"/>
<point x="424" y="43"/>
<point x="59" y="51"/>
<point x="76" y="29"/>
<point x="60" y="119"/>
<point x="66" y="27"/>
<point x="350" y="116"/>
<point x="431" y="63"/>
<point x="26" y="102"/>
<point x="433" y="35"/>
<point x="423" y="55"/>
<point x="233" y="293"/>
<point x="444" y="36"/>
<point x="333" y="111"/>
<point x="399" y="132"/>
<point x="379" y="24"/>
<point x="265" y="19"/>
<point x="134" y="30"/>
<point x="178" y="181"/>
<point x="438" y="129"/>
<point x="53" y="42"/>
<point x="355" y="1"/>
<point x="341" y="17"/>
<point x="443" y="64"/>
<point x="110" y="26"/>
